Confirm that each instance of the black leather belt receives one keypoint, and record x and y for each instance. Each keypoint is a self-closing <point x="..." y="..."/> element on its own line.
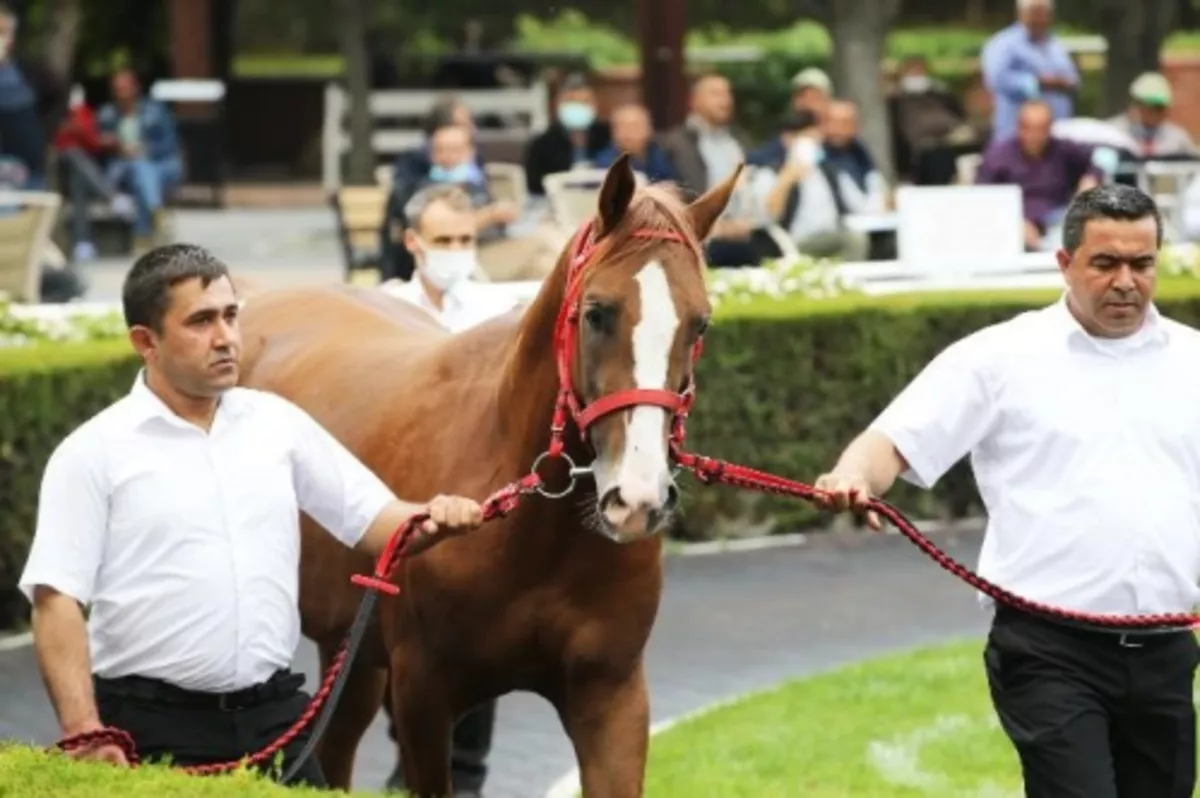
<point x="154" y="691"/>
<point x="1123" y="638"/>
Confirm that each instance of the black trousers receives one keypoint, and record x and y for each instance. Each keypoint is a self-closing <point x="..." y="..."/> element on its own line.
<point x="1094" y="714"/>
<point x="200" y="728"/>
<point x="471" y="744"/>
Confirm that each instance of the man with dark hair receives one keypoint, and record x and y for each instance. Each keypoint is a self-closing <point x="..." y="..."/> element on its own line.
<point x="576" y="136"/>
<point x="174" y="514"/>
<point x="1082" y="420"/>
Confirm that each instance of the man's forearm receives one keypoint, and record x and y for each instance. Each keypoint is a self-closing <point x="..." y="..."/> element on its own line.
<point x="385" y="525"/>
<point x="61" y="643"/>
<point x="873" y="457"/>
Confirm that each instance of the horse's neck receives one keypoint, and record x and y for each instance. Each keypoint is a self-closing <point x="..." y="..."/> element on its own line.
<point x="529" y="386"/>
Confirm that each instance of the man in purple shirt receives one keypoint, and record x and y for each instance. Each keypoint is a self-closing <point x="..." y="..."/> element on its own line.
<point x="1049" y="170"/>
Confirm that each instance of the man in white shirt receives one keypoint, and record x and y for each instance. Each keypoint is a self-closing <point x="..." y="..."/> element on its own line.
<point x="174" y="515"/>
<point x="1082" y="420"/>
<point x="443" y="243"/>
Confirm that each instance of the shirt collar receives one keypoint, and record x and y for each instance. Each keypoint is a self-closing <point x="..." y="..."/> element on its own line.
<point x="1152" y="333"/>
<point x="147" y="405"/>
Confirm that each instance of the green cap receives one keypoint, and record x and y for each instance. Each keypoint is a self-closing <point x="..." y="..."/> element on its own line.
<point x="1151" y="88"/>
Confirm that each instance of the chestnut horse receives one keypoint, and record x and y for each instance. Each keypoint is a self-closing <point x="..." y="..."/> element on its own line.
<point x="559" y="596"/>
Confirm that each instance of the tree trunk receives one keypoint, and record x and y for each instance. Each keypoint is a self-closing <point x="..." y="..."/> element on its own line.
<point x="1134" y="33"/>
<point x="352" y="36"/>
<point x="62" y="36"/>
<point x="859" y="30"/>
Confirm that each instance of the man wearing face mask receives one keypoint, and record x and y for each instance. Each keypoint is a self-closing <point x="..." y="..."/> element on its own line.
<point x="575" y="138"/>
<point x="928" y="125"/>
<point x="443" y="241"/>
<point x="809" y="198"/>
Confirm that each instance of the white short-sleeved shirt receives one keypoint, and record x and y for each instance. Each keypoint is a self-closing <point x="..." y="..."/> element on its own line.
<point x="186" y="544"/>
<point x="1086" y="453"/>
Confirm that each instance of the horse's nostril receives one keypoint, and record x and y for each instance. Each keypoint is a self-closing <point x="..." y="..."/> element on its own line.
<point x="611" y="500"/>
<point x="672" y="499"/>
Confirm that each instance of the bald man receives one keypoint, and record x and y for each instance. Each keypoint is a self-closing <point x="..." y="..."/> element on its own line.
<point x="846" y="153"/>
<point x="705" y="150"/>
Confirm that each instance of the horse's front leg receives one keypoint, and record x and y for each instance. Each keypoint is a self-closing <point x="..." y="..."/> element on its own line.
<point x="608" y="721"/>
<point x="423" y="727"/>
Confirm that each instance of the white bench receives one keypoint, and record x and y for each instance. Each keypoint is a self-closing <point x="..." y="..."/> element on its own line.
<point x="525" y="109"/>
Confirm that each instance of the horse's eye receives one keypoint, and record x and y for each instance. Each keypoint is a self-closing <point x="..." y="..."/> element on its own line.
<point x="599" y="318"/>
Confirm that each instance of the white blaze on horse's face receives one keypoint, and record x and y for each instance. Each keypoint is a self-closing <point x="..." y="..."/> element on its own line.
<point x="637" y="493"/>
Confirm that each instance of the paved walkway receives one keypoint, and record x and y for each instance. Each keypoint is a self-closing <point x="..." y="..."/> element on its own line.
<point x="274" y="247"/>
<point x="730" y="623"/>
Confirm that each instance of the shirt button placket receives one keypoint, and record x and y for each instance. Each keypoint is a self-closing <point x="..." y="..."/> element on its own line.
<point x="223" y="510"/>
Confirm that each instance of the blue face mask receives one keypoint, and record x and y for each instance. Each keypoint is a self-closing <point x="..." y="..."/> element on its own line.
<point x="463" y="173"/>
<point x="576" y="116"/>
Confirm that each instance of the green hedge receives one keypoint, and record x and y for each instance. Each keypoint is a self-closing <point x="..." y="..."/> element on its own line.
<point x="784" y="384"/>
<point x="41" y="774"/>
<point x="45" y="392"/>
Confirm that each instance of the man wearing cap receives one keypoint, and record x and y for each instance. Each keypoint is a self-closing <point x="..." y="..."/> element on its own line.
<point x="811" y="91"/>
<point x="1146" y="120"/>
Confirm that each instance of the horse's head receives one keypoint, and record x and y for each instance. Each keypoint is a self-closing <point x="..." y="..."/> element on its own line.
<point x="642" y="307"/>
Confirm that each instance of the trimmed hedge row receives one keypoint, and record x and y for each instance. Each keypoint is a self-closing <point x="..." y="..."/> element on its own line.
<point x="784" y="384"/>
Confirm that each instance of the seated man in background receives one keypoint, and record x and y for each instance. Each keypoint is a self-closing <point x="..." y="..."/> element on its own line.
<point x="809" y="198"/>
<point x="1050" y="172"/>
<point x="1146" y="122"/>
<point x="928" y="126"/>
<point x="502" y="257"/>
<point x="409" y="171"/>
<point x="632" y="132"/>
<point x="847" y="154"/>
<point x="705" y="150"/>
<point x="812" y="90"/>
<point x="574" y="138"/>
<point x="139" y="133"/>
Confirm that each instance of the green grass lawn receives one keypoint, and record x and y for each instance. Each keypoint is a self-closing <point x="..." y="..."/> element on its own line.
<point x="28" y="773"/>
<point x="916" y="725"/>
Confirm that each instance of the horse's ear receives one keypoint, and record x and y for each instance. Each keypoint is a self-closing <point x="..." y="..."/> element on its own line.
<point x="705" y="210"/>
<point x="615" y="194"/>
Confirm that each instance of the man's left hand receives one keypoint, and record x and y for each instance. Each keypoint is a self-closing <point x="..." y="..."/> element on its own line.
<point x="452" y="514"/>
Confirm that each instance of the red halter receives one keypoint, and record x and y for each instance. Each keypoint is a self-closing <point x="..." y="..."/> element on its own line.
<point x="566" y="331"/>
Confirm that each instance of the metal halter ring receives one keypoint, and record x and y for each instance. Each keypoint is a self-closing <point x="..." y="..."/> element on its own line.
<point x="573" y="471"/>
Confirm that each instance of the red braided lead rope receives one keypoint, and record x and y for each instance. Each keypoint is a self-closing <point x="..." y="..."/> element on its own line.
<point x="497" y="505"/>
<point x="709" y="471"/>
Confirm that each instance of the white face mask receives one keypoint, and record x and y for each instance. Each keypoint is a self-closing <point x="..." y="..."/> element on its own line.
<point x="446" y="268"/>
<point x="916" y="84"/>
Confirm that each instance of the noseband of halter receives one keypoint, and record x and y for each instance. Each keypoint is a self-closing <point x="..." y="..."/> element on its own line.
<point x="566" y="332"/>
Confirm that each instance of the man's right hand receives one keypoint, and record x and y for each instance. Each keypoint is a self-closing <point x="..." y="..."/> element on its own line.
<point x="839" y="492"/>
<point x="98" y="753"/>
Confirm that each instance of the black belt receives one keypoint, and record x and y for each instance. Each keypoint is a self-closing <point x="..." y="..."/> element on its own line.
<point x="1122" y="638"/>
<point x="282" y="684"/>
